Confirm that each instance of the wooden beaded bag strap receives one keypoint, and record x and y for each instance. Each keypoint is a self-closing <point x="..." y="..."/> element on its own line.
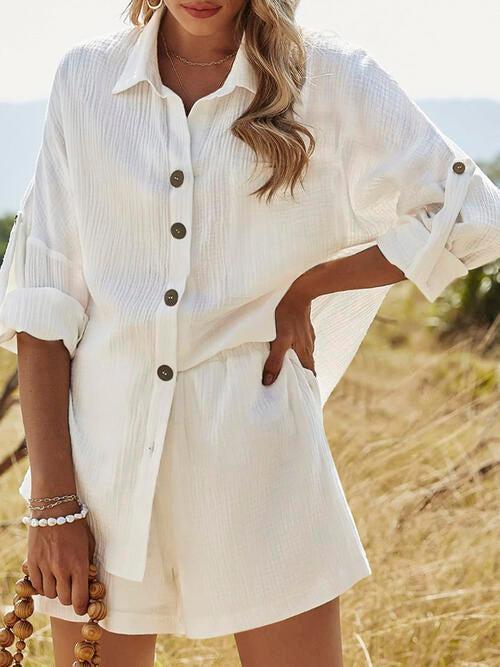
<point x="17" y="627"/>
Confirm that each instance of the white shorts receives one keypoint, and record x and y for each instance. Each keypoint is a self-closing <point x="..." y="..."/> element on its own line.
<point x="250" y="523"/>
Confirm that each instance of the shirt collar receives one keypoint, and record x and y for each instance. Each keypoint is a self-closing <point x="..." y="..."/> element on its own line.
<point x="142" y="63"/>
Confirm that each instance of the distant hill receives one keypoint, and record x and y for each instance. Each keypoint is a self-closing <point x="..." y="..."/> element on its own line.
<point x="20" y="135"/>
<point x="473" y="123"/>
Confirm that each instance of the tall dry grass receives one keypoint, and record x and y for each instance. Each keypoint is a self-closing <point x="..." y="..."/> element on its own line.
<point x="414" y="432"/>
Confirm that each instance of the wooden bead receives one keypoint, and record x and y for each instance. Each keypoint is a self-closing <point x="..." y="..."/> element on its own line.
<point x="91" y="631"/>
<point x="22" y="629"/>
<point x="92" y="571"/>
<point x="6" y="637"/>
<point x="18" y="657"/>
<point x="84" y="650"/>
<point x="24" y="568"/>
<point x="97" y="590"/>
<point x="5" y="658"/>
<point x="24" y="607"/>
<point x="24" y="588"/>
<point x="20" y="645"/>
<point x="10" y="618"/>
<point x="97" y="610"/>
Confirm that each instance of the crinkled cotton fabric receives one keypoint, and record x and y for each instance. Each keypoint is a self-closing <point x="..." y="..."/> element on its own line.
<point x="250" y="523"/>
<point x="138" y="244"/>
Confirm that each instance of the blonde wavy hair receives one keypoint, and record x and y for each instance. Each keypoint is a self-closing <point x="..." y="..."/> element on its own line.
<point x="276" y="50"/>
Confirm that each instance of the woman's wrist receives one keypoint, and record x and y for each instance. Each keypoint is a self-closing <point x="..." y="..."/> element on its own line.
<point x="58" y="481"/>
<point x="50" y="519"/>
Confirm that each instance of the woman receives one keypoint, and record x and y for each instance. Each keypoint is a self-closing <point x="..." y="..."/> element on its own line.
<point x="186" y="282"/>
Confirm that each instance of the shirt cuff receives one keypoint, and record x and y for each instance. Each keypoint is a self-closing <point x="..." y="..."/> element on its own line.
<point x="44" y="312"/>
<point x="401" y="244"/>
<point x="421" y="253"/>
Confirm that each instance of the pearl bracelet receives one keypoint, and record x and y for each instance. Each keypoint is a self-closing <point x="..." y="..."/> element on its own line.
<point x="59" y="521"/>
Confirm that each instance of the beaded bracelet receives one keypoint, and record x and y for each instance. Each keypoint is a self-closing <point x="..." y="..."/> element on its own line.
<point x="59" y="521"/>
<point x="17" y="626"/>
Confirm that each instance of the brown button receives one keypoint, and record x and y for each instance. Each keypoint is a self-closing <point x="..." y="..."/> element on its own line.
<point x="165" y="372"/>
<point x="178" y="230"/>
<point x="171" y="297"/>
<point x="177" y="178"/>
<point x="459" y="167"/>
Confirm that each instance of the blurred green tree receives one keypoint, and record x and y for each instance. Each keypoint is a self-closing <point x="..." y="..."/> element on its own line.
<point x="5" y="226"/>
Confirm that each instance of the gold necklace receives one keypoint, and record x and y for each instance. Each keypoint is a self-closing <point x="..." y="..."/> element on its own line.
<point x="191" y="62"/>
<point x="212" y="62"/>
<point x="167" y="52"/>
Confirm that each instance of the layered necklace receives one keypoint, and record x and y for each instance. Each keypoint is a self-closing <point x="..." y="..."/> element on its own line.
<point x="170" y="53"/>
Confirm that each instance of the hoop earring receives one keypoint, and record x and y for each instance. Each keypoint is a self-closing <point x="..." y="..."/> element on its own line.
<point x="153" y="7"/>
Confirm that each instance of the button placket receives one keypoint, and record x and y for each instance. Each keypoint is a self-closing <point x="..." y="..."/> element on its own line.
<point x="180" y="192"/>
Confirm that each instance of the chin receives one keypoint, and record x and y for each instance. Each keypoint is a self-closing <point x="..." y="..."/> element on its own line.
<point x="198" y="31"/>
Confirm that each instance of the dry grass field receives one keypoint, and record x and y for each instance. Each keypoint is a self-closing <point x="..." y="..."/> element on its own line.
<point x="414" y="431"/>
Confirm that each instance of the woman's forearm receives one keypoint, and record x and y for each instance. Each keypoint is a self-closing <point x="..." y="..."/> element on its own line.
<point x="368" y="268"/>
<point x="44" y="378"/>
<point x="58" y="559"/>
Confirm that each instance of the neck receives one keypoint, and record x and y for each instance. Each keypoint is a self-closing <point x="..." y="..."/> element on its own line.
<point x="198" y="48"/>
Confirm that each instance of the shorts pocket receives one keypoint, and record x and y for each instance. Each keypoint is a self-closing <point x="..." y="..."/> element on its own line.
<point x="311" y="379"/>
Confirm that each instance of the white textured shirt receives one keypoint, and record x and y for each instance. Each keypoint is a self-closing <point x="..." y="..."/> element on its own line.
<point x="138" y="244"/>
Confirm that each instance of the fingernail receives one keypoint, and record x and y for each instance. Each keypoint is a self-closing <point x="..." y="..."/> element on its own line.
<point x="268" y="378"/>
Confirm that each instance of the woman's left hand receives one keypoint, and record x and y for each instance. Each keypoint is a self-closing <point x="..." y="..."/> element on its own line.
<point x="293" y="329"/>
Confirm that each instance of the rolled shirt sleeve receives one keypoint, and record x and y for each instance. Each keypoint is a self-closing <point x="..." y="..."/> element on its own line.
<point x="42" y="286"/>
<point x="424" y="201"/>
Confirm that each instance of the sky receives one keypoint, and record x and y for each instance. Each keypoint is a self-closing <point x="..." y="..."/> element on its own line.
<point x="435" y="48"/>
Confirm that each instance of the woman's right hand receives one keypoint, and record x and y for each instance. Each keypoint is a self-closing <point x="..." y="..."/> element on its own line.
<point x="59" y="557"/>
